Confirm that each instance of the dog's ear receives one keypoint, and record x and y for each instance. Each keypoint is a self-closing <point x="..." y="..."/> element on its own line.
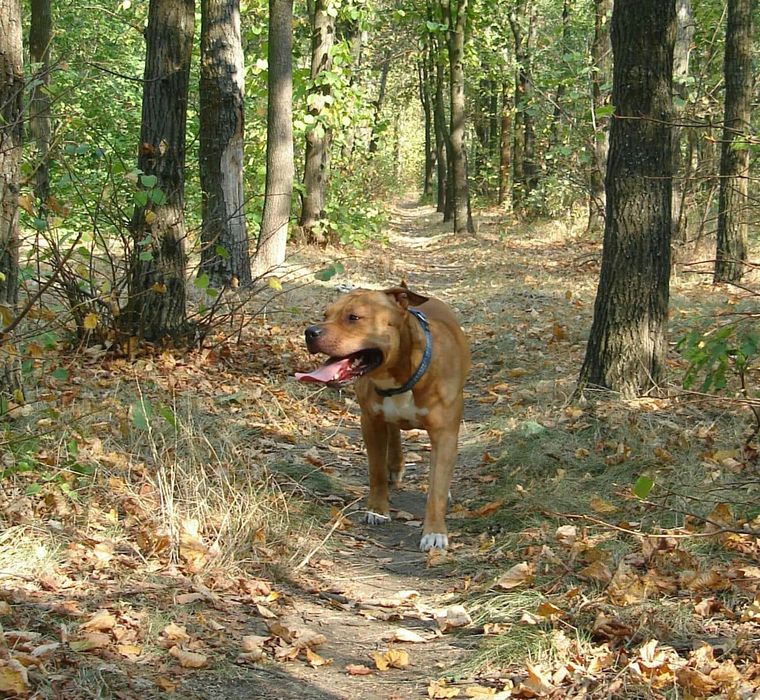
<point x="404" y="296"/>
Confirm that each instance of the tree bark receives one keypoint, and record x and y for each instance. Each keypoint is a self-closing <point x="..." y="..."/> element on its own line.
<point x="40" y="38"/>
<point x="627" y="345"/>
<point x="525" y="172"/>
<point x="427" y="112"/>
<point x="377" y="107"/>
<point x="273" y="235"/>
<point x="731" y="252"/>
<point x="441" y="134"/>
<point x="319" y="138"/>
<point x="457" y="17"/>
<point x="11" y="133"/>
<point x="559" y="96"/>
<point x="600" y="53"/>
<point x="505" y="143"/>
<point x="681" y="54"/>
<point x="156" y="304"/>
<point x="225" y="255"/>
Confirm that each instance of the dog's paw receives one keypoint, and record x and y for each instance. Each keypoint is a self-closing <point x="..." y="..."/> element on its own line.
<point x="434" y="540"/>
<point x="373" y="518"/>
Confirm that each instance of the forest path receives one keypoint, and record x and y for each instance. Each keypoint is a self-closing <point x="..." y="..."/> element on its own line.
<point x="366" y="582"/>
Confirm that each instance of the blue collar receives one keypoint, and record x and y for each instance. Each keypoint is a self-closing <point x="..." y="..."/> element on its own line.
<point x="425" y="359"/>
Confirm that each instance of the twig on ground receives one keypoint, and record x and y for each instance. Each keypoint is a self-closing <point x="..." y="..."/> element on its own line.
<point x="338" y="520"/>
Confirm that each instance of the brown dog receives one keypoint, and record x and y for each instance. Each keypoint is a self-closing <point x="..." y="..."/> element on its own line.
<point x="410" y="359"/>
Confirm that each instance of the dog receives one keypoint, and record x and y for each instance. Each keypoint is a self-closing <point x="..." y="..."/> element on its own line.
<point x="409" y="359"/>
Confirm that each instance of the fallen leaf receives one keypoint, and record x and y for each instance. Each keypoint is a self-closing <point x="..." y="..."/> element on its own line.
<point x="483" y="692"/>
<point x="752" y="612"/>
<point x="166" y="684"/>
<point x="101" y="621"/>
<point x="175" y="633"/>
<point x="14" y="680"/>
<point x="546" y="609"/>
<point x="601" y="506"/>
<point x="90" y="641"/>
<point x="187" y="598"/>
<point x="313" y="457"/>
<point x="538" y="680"/>
<point x="265" y="612"/>
<point x="726" y="674"/>
<point x="131" y="651"/>
<point x="626" y="586"/>
<point x="518" y="575"/>
<point x="393" y="658"/>
<point x="188" y="659"/>
<point x="401" y="634"/>
<point x="252" y="643"/>
<point x="596" y="571"/>
<point x="487" y="509"/>
<point x="452" y="617"/>
<point x="358" y="670"/>
<point x="566" y="535"/>
<point x="696" y="682"/>
<point x="314" y="659"/>
<point x="440" y="690"/>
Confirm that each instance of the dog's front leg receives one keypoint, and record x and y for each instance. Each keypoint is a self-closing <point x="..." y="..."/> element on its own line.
<point x="375" y="433"/>
<point x="443" y="457"/>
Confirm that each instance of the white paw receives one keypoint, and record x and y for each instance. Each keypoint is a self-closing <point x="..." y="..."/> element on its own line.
<point x="373" y="518"/>
<point x="434" y="540"/>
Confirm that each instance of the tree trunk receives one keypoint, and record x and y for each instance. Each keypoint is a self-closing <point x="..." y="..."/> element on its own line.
<point x="377" y="107"/>
<point x="482" y="125"/>
<point x="505" y="143"/>
<point x="627" y="346"/>
<point x="352" y="33"/>
<point x="11" y="131"/>
<point x="681" y="53"/>
<point x="225" y="257"/>
<point x="156" y="304"/>
<point x="494" y="117"/>
<point x="441" y="135"/>
<point x="316" y="172"/>
<point x="461" y="193"/>
<point x="525" y="173"/>
<point x="554" y="131"/>
<point x="427" y="112"/>
<point x="731" y="253"/>
<point x="40" y="38"/>
<point x="280" y="167"/>
<point x="600" y="53"/>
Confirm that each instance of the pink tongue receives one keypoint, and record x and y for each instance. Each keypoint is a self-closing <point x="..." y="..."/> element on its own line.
<point x="326" y="373"/>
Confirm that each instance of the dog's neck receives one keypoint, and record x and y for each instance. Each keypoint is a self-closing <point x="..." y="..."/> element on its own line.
<point x="424" y="363"/>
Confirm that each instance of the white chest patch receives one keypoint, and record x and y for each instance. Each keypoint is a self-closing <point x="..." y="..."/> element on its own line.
<point x="400" y="408"/>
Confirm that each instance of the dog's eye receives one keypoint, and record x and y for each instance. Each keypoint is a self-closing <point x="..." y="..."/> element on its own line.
<point x="353" y="317"/>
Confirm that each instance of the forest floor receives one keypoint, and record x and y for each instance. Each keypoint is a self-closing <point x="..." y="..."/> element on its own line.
<point x="560" y="581"/>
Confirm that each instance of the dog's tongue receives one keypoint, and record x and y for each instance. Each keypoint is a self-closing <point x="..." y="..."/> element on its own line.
<point x="329" y="372"/>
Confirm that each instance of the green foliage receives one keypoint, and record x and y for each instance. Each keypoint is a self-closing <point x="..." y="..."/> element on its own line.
<point x="27" y="461"/>
<point x="643" y="486"/>
<point x="327" y="273"/>
<point x="718" y="354"/>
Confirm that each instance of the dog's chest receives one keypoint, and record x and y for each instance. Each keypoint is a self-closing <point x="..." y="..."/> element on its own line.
<point x="399" y="409"/>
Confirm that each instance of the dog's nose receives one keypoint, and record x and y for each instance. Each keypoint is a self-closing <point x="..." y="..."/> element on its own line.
<point x="312" y="333"/>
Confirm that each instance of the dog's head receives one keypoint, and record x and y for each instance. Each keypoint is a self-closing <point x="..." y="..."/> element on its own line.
<point x="360" y="334"/>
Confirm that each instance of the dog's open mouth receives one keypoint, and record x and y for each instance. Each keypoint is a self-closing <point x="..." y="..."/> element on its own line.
<point x="339" y="371"/>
